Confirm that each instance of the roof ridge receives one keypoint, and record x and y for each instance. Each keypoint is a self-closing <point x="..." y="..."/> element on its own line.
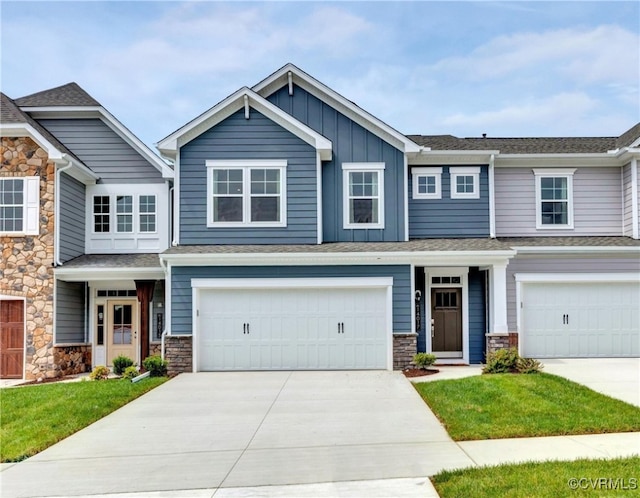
<point x="69" y="94"/>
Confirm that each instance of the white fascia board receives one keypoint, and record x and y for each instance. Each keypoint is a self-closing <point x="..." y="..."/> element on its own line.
<point x="280" y="78"/>
<point x="26" y="130"/>
<point x="553" y="160"/>
<point x="439" y="157"/>
<point x="423" y="258"/>
<point x="111" y="121"/>
<point x="576" y="249"/>
<point x="104" y="274"/>
<point x="80" y="172"/>
<point x="169" y="145"/>
<point x="577" y="277"/>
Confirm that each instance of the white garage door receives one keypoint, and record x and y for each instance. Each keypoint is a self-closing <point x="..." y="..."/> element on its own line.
<point x="564" y="320"/>
<point x="305" y="329"/>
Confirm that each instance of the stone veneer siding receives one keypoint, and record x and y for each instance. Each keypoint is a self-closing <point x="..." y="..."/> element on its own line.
<point x="26" y="266"/>
<point x="178" y="351"/>
<point x="501" y="341"/>
<point x="71" y="360"/>
<point x="405" y="346"/>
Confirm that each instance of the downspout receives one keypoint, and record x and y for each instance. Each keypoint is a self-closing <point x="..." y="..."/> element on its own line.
<point x="634" y="199"/>
<point x="164" y="331"/>
<point x="171" y="220"/>
<point x="56" y="238"/>
<point x="492" y="204"/>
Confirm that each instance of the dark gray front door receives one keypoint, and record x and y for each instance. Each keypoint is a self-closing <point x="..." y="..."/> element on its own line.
<point x="446" y="312"/>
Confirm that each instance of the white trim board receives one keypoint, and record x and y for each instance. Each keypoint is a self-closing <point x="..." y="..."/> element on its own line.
<point x="282" y="283"/>
<point x="576" y="277"/>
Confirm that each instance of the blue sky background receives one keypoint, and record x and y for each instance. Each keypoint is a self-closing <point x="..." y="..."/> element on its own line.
<point x="461" y="68"/>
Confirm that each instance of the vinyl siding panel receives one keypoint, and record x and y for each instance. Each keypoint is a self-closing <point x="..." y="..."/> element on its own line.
<point x="555" y="264"/>
<point x="103" y="150"/>
<point x="181" y="303"/>
<point x="596" y="203"/>
<point x="477" y="315"/>
<point x="72" y="217"/>
<point x="255" y="138"/>
<point x="351" y="143"/>
<point x="70" y="312"/>
<point x="627" y="196"/>
<point x="447" y="217"/>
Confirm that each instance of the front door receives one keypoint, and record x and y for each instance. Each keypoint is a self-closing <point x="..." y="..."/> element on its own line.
<point x="11" y="339"/>
<point x="122" y="330"/>
<point x="446" y="328"/>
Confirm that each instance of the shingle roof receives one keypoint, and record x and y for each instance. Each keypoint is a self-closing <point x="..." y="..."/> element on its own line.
<point x="10" y="113"/>
<point x="629" y="136"/>
<point x="70" y="94"/>
<point x="569" y="241"/>
<point x="536" y="145"/>
<point x="115" y="261"/>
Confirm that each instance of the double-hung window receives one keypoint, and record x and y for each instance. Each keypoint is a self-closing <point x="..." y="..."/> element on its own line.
<point x="426" y="183"/>
<point x="554" y="198"/>
<point x="147" y="213"/>
<point x="465" y="182"/>
<point x="363" y="195"/>
<point x="246" y="193"/>
<point x="124" y="213"/>
<point x="20" y="205"/>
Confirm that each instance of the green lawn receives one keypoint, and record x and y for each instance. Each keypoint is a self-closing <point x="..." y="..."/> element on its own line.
<point x="617" y="477"/>
<point x="33" y="418"/>
<point x="511" y="405"/>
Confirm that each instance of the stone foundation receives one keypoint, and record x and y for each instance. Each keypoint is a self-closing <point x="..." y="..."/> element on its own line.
<point x="501" y="341"/>
<point x="155" y="349"/>
<point x="178" y="351"/>
<point x="71" y="360"/>
<point x="405" y="346"/>
<point x="26" y="262"/>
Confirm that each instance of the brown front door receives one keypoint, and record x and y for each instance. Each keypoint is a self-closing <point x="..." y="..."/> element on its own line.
<point x="446" y="313"/>
<point x="11" y="339"/>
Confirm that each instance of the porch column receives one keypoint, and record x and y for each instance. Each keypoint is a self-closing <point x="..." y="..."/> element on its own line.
<point x="499" y="299"/>
<point x="144" y="291"/>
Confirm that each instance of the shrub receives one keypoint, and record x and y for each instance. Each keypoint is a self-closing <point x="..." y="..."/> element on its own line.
<point x="130" y="372"/>
<point x="528" y="365"/>
<point x="156" y="366"/>
<point x="100" y="373"/>
<point x="424" y="360"/>
<point x="120" y="363"/>
<point x="509" y="361"/>
<point x="501" y="361"/>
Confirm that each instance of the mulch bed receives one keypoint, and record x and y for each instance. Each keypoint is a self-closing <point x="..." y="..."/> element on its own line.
<point x="419" y="372"/>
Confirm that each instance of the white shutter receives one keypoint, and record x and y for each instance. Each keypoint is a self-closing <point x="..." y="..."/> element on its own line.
<point x="32" y="205"/>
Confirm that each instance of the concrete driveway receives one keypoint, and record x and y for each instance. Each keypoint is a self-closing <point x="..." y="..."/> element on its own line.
<point x="615" y="377"/>
<point x="224" y="430"/>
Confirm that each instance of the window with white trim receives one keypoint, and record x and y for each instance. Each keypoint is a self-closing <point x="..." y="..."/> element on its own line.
<point x="124" y="213"/>
<point x="554" y="198"/>
<point x="244" y="193"/>
<point x="465" y="182"/>
<point x="147" y="213"/>
<point x="363" y="195"/>
<point x="426" y="183"/>
<point x="20" y="205"/>
<point x="101" y="214"/>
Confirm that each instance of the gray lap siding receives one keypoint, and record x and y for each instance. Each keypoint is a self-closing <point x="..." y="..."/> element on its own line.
<point x="447" y="217"/>
<point x="237" y="138"/>
<point x="351" y="143"/>
<point x="181" y="293"/>
<point x="70" y="312"/>
<point x="72" y="218"/>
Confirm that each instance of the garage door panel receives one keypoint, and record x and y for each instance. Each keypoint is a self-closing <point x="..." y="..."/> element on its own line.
<point x="580" y="320"/>
<point x="293" y="329"/>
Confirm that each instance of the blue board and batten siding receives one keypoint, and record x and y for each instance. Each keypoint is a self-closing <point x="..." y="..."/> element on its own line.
<point x="447" y="217"/>
<point x="103" y="150"/>
<point x="351" y="143"/>
<point x="181" y="292"/>
<point x="238" y="138"/>
<point x="70" y="312"/>
<point x="477" y="315"/>
<point x="72" y="214"/>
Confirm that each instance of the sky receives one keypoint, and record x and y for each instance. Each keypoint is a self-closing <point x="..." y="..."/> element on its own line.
<point x="433" y="68"/>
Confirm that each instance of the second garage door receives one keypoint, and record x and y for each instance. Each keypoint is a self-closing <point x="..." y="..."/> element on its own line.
<point x="293" y="328"/>
<point x="581" y="320"/>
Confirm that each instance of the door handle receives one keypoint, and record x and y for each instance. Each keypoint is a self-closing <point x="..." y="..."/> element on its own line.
<point x="340" y="327"/>
<point x="248" y="329"/>
<point x="244" y="328"/>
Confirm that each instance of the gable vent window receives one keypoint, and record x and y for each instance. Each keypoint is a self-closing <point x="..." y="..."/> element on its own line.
<point x="242" y="193"/>
<point x="554" y="199"/>
<point x="20" y="205"/>
<point x="363" y="195"/>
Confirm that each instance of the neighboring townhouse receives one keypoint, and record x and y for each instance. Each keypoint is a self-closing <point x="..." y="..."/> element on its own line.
<point x="309" y="234"/>
<point x="84" y="212"/>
